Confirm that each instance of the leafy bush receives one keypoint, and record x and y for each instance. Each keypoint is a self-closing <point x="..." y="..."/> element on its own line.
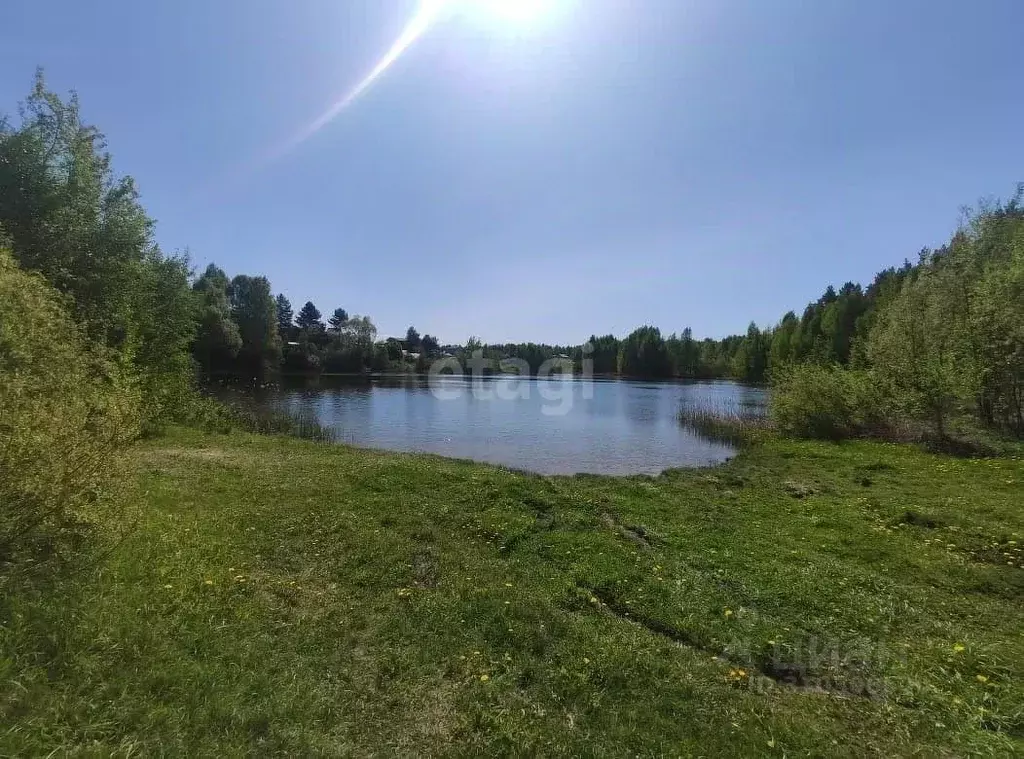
<point x="67" y="410"/>
<point x="69" y="217"/>
<point x="808" y="400"/>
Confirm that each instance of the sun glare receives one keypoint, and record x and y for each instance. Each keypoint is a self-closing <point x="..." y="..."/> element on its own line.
<point x="519" y="12"/>
<point x="514" y="16"/>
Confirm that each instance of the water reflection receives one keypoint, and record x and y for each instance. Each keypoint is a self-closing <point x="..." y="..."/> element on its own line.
<point x="551" y="426"/>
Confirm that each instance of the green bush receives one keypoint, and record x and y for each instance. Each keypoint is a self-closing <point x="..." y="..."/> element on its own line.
<point x="809" y="400"/>
<point x="66" y="413"/>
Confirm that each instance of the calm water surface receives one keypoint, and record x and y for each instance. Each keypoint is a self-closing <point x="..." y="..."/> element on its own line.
<point x="551" y="426"/>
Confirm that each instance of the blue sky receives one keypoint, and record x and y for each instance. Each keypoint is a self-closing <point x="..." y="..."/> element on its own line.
<point x="682" y="163"/>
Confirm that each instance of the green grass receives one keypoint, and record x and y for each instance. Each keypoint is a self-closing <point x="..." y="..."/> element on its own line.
<point x="286" y="597"/>
<point x="234" y="410"/>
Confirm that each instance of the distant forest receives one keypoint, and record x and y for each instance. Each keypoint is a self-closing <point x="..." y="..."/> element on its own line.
<point x="245" y="330"/>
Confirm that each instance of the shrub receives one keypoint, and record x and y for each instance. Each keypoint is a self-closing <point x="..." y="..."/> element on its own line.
<point x="809" y="400"/>
<point x="67" y="410"/>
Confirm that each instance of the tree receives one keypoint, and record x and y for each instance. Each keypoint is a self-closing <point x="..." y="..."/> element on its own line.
<point x="217" y="340"/>
<point x="360" y="329"/>
<point x="412" y="339"/>
<point x="688" y="354"/>
<point x="782" y="348"/>
<point x="918" y="347"/>
<point x="285" y="317"/>
<point x="69" y="218"/>
<point x="750" y="362"/>
<point x="254" y="311"/>
<point x="338" y="319"/>
<point x="643" y="354"/>
<point x="309" y="318"/>
<point x="996" y="241"/>
<point x="393" y="348"/>
<point x="604" y="354"/>
<point x="352" y="348"/>
<point x="429" y="345"/>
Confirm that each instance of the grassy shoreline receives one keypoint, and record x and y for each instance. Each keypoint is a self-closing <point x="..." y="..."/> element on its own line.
<point x="282" y="596"/>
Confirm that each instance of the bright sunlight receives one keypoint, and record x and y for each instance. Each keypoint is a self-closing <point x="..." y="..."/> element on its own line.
<point x="517" y="12"/>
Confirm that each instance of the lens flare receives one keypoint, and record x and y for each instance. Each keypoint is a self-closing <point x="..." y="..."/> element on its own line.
<point x="418" y="24"/>
<point x="515" y="12"/>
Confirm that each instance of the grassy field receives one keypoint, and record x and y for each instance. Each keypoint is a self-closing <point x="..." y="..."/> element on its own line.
<point x="283" y="596"/>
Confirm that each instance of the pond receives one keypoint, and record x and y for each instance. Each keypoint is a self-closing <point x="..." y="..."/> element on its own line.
<point x="549" y="426"/>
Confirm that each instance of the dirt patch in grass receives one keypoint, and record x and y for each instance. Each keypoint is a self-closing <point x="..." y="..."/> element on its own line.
<point x="636" y="534"/>
<point x="426" y="570"/>
<point x="918" y="519"/>
<point x="799" y="489"/>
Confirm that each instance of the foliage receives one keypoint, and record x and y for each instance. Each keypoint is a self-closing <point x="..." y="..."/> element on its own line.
<point x="826" y="402"/>
<point x="684" y="353"/>
<point x="919" y="347"/>
<point x="218" y="340"/>
<point x="338" y="319"/>
<point x="997" y="317"/>
<point x="309" y="317"/>
<point x="750" y="362"/>
<point x="67" y="410"/>
<point x="253" y="309"/>
<point x="942" y="338"/>
<point x="429" y="345"/>
<point x="285" y="317"/>
<point x="361" y="330"/>
<point x="643" y="354"/>
<point x="412" y="339"/>
<point x="604" y="352"/>
<point x="68" y="217"/>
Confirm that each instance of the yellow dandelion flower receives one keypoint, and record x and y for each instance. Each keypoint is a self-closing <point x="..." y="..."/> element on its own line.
<point x="728" y="612"/>
<point x="484" y="678"/>
<point x="981" y="678"/>
<point x="958" y="647"/>
<point x="208" y="582"/>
